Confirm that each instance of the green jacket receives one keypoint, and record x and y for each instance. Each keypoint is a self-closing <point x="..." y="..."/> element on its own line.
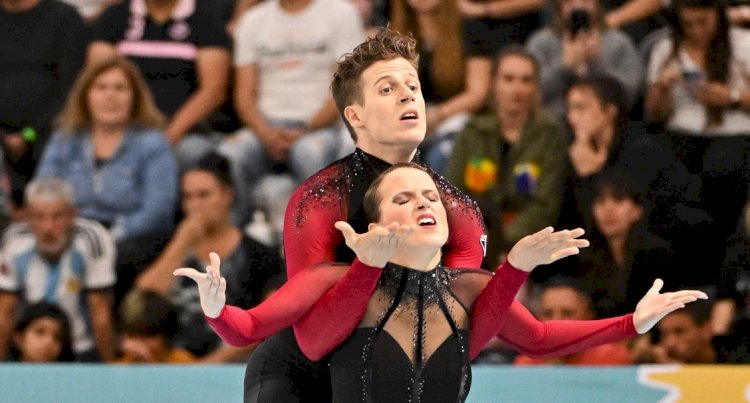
<point x="520" y="195"/>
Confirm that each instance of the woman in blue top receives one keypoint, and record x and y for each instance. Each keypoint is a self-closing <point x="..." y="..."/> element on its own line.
<point x="110" y="147"/>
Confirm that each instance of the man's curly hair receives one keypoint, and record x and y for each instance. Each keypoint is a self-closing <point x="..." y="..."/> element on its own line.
<point x="387" y="44"/>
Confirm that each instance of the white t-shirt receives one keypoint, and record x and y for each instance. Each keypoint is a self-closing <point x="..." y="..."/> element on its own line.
<point x="689" y="114"/>
<point x="87" y="8"/>
<point x="296" y="53"/>
<point x="88" y="264"/>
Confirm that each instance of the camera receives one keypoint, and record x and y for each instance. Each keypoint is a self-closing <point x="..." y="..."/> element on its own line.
<point x="580" y="20"/>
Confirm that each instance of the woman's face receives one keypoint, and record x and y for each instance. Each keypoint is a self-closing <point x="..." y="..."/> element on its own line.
<point x="424" y="6"/>
<point x="41" y="341"/>
<point x="515" y="84"/>
<point x="409" y="196"/>
<point x="205" y="195"/>
<point x="110" y="98"/>
<point x="614" y="217"/>
<point x="587" y="115"/>
<point x="699" y="24"/>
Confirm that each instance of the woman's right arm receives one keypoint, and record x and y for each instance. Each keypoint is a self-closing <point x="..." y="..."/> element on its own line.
<point x="662" y="76"/>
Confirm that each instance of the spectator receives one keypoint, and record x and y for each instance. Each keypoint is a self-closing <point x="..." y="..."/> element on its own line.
<point x="502" y="22"/>
<point x="42" y="47"/>
<point x="251" y="268"/>
<point x="624" y="258"/>
<point x="182" y="49"/>
<point x="41" y="334"/>
<point x="149" y="325"/>
<point x="564" y="299"/>
<point x="109" y="147"/>
<point x="61" y="259"/>
<point x="366" y="8"/>
<point x="698" y="86"/>
<point x="603" y="140"/>
<point x="502" y="158"/>
<point x="285" y="54"/>
<point x="454" y="72"/>
<point x="730" y="316"/>
<point x="578" y="44"/>
<point x="685" y="337"/>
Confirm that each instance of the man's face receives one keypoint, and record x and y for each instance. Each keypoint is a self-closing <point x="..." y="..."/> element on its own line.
<point x="392" y="113"/>
<point x="563" y="303"/>
<point x="682" y="338"/>
<point x="51" y="222"/>
<point x="409" y="196"/>
<point x="515" y="85"/>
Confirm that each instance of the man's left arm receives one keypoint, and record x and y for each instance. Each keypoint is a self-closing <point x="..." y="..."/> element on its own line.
<point x="212" y="71"/>
<point x="100" y="307"/>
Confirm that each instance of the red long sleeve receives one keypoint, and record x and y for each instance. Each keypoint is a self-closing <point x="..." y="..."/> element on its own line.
<point x="240" y="327"/>
<point x="554" y="338"/>
<point x="332" y="319"/>
<point x="492" y="305"/>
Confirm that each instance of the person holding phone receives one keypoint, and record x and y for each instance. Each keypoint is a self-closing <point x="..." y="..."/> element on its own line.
<point x="577" y="43"/>
<point x="698" y="87"/>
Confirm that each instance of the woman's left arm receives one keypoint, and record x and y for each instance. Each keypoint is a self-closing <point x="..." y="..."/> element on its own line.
<point x="157" y="189"/>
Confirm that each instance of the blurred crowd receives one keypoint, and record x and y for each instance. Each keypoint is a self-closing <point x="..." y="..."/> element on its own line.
<point x="137" y="136"/>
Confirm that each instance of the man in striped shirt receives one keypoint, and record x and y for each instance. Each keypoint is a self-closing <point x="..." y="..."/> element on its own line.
<point x="59" y="258"/>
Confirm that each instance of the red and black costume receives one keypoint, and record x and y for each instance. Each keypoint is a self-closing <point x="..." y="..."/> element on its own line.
<point x="278" y="371"/>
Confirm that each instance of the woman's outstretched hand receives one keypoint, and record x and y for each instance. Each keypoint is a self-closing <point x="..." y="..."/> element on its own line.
<point x="545" y="247"/>
<point x="654" y="306"/>
<point x="376" y="246"/>
<point x="211" y="286"/>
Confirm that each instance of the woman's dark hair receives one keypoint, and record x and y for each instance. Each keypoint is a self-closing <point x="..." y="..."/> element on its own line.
<point x="617" y="184"/>
<point x="217" y="166"/>
<point x="717" y="56"/>
<point x="38" y="311"/>
<point x="608" y="91"/>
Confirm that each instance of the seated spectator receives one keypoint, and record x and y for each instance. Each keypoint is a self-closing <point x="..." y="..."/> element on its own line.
<point x="248" y="266"/>
<point x="624" y="258"/>
<point x="698" y="86"/>
<point x="41" y="334"/>
<point x="148" y="326"/>
<point x="111" y="150"/>
<point x="502" y="158"/>
<point x="59" y="258"/>
<point x="502" y="22"/>
<point x="182" y="49"/>
<point x="285" y="54"/>
<point x="563" y="299"/>
<point x="733" y="296"/>
<point x="685" y="337"/>
<point x="454" y="72"/>
<point x="42" y="48"/>
<point x="604" y="140"/>
<point x="577" y="44"/>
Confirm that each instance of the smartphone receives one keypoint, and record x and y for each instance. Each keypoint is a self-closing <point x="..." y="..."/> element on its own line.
<point x="580" y="20"/>
<point x="693" y="78"/>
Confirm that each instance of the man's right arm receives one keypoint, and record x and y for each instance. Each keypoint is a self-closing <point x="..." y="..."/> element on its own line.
<point x="8" y="301"/>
